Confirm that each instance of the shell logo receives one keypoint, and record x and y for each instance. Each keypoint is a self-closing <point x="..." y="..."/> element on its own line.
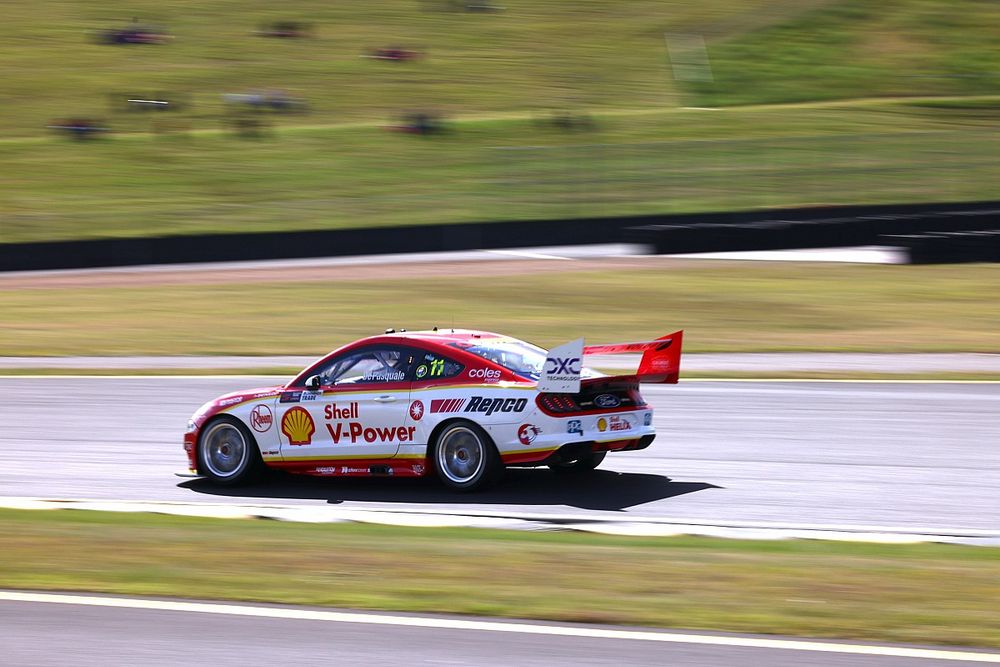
<point x="298" y="426"/>
<point x="602" y="424"/>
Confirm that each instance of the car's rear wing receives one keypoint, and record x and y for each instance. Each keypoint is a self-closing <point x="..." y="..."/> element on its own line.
<point x="660" y="363"/>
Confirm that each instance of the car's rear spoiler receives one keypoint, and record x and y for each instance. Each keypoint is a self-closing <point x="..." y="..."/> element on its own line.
<point x="660" y="363"/>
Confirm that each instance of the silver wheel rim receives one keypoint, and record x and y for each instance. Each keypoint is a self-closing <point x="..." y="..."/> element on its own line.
<point x="224" y="450"/>
<point x="460" y="455"/>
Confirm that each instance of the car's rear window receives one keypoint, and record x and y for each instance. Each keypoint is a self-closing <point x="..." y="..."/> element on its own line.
<point x="522" y="358"/>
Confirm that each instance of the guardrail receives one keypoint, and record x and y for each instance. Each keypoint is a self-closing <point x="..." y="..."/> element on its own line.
<point x="699" y="232"/>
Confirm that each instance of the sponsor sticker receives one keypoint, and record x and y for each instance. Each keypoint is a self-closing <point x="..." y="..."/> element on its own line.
<point x="574" y="426"/>
<point x="355" y="432"/>
<point x="327" y="470"/>
<point x="416" y="410"/>
<point x="290" y="397"/>
<point x="261" y="418"/>
<point x="230" y="401"/>
<point x="346" y="470"/>
<point x="647" y="419"/>
<point x="602" y="424"/>
<point x="311" y="395"/>
<point x="418" y="469"/>
<point x="527" y="433"/>
<point x="619" y="423"/>
<point x="488" y="374"/>
<point x="298" y="426"/>
<point x="488" y="406"/>
<point x="421" y="371"/>
<point x="331" y="411"/>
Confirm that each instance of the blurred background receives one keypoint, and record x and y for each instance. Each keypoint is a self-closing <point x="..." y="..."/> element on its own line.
<point x="160" y="118"/>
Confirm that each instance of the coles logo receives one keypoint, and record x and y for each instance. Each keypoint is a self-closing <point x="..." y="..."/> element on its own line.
<point x="484" y="373"/>
<point x="416" y="410"/>
<point x="261" y="418"/>
<point x="527" y="433"/>
<point x="298" y="426"/>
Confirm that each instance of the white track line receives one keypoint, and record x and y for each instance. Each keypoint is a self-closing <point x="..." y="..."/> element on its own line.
<point x="498" y="626"/>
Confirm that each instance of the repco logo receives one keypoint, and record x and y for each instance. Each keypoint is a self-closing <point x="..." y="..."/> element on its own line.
<point x="562" y="366"/>
<point x="491" y="405"/>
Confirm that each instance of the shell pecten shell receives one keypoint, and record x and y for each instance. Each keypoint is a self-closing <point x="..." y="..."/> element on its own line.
<point x="298" y="426"/>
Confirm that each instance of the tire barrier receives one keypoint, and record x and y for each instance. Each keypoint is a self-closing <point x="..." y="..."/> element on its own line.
<point x="683" y="233"/>
<point x="948" y="247"/>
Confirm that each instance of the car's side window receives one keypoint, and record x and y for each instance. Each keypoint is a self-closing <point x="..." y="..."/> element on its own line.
<point x="432" y="366"/>
<point x="371" y="365"/>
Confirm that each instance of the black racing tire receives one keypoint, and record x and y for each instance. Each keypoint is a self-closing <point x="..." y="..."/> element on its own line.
<point x="580" y="465"/>
<point x="228" y="453"/>
<point x="465" y="457"/>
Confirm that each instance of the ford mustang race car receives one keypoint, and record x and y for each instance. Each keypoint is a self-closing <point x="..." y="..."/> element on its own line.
<point x="457" y="403"/>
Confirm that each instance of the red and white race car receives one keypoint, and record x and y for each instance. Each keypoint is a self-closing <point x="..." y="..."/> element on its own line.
<point x="463" y="404"/>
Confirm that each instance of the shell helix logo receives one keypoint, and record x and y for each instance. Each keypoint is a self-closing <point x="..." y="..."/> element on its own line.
<point x="298" y="426"/>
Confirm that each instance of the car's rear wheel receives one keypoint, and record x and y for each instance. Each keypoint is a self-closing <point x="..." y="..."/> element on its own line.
<point x="583" y="464"/>
<point x="466" y="458"/>
<point x="228" y="453"/>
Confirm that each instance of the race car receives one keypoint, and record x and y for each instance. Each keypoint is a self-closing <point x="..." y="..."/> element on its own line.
<point x="461" y="404"/>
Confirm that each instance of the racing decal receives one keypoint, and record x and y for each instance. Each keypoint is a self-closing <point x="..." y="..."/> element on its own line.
<point x="290" y="397"/>
<point x="298" y="426"/>
<point x="416" y="410"/>
<point x="384" y="376"/>
<point x="647" y="419"/>
<point x="331" y="411"/>
<point x="421" y="372"/>
<point x="261" y="418"/>
<point x="447" y="404"/>
<point x="230" y="401"/>
<point x="355" y="431"/>
<point x="607" y="401"/>
<point x="562" y="368"/>
<point x="310" y="395"/>
<point x="613" y="423"/>
<point x="527" y="433"/>
<point x="418" y="469"/>
<point x="574" y="426"/>
<point x="487" y="374"/>
<point x="490" y="405"/>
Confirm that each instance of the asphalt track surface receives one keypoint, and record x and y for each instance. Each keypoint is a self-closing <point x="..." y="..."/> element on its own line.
<point x="913" y="456"/>
<point x="85" y="632"/>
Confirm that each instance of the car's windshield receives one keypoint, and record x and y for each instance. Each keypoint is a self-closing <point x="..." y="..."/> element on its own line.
<point x="525" y="359"/>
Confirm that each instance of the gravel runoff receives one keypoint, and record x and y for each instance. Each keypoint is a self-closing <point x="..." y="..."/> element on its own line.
<point x="716" y="362"/>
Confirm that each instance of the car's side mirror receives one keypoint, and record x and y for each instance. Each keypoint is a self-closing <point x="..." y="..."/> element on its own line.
<point x="312" y="382"/>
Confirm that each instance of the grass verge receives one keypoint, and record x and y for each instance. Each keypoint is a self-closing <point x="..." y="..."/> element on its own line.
<point x="913" y="593"/>
<point x="723" y="307"/>
<point x="660" y="161"/>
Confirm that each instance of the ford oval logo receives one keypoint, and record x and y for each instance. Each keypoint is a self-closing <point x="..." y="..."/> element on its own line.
<point x="607" y="401"/>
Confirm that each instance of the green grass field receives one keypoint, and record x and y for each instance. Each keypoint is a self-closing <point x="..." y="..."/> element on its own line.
<point x="918" y="593"/>
<point x="737" y="306"/>
<point x="496" y="76"/>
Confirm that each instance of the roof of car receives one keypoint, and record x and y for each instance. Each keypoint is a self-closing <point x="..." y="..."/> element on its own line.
<point x="447" y="335"/>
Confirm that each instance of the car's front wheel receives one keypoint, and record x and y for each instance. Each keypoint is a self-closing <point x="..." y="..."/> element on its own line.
<point x="228" y="453"/>
<point x="466" y="458"/>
